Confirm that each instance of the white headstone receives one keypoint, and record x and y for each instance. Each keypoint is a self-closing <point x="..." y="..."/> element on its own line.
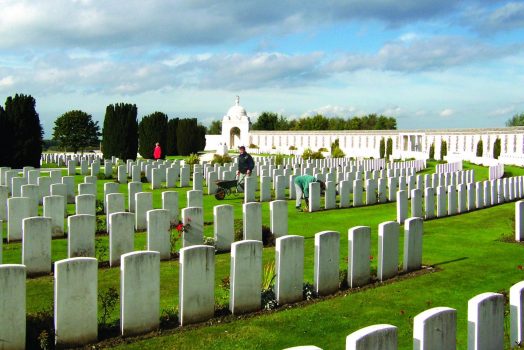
<point x="193" y="219"/>
<point x="435" y="328"/>
<point x="13" y="306"/>
<point x="81" y="236"/>
<point x="326" y="272"/>
<point x="486" y="322"/>
<point x="224" y="230"/>
<point x="388" y="236"/>
<point x="139" y="292"/>
<point x="246" y="276"/>
<point x="121" y="236"/>
<point x="289" y="264"/>
<point x="76" y="296"/>
<point x="158" y="232"/>
<point x="196" y="301"/>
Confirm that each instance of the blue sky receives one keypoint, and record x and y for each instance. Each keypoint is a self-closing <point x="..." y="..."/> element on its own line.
<point x="430" y="64"/>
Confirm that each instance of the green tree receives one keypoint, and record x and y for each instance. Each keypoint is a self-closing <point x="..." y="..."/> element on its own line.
<point x="443" y="149"/>
<point x="190" y="136"/>
<point x="215" y="128"/>
<point x="5" y="138"/>
<point x="389" y="147"/>
<point x="266" y="121"/>
<point x="22" y="132"/>
<point x="496" y="149"/>
<point x="516" y="120"/>
<point x="432" y="151"/>
<point x="75" y="130"/>
<point x="152" y="129"/>
<point x="382" y="148"/>
<point x="480" y="148"/>
<point x="171" y="149"/>
<point x="120" y="133"/>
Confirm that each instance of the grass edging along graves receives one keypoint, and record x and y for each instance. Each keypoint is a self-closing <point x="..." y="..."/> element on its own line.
<point x="466" y="248"/>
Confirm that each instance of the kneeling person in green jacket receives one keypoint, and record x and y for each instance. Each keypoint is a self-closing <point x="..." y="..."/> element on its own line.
<point x="302" y="188"/>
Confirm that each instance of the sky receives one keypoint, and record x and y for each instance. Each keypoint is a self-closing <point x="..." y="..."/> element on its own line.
<point x="430" y="64"/>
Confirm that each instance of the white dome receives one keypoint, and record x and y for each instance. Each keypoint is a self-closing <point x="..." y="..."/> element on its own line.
<point x="236" y="111"/>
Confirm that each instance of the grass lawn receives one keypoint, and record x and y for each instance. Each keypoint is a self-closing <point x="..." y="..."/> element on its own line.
<point x="466" y="251"/>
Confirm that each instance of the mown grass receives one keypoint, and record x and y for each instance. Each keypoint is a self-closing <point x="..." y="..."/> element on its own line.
<point x="466" y="250"/>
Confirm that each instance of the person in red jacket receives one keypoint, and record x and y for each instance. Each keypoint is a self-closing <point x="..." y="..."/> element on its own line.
<point x="157" y="154"/>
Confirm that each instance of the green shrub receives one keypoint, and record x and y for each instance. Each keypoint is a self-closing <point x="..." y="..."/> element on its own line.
<point x="309" y="154"/>
<point x="292" y="148"/>
<point x="218" y="159"/>
<point x="480" y="148"/>
<point x="279" y="159"/>
<point x="337" y="153"/>
<point x="382" y="148"/>
<point x="252" y="145"/>
<point x="496" y="149"/>
<point x="432" y="151"/>
<point x="193" y="159"/>
<point x="322" y="149"/>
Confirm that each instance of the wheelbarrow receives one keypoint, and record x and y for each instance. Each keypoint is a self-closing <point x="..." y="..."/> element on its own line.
<point x="229" y="187"/>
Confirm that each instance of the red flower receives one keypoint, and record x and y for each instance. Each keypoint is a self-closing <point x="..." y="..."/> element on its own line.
<point x="519" y="267"/>
<point x="180" y="227"/>
<point x="371" y="257"/>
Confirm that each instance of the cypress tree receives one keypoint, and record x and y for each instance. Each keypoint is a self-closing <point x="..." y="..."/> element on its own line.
<point x="171" y="148"/>
<point x="432" y="151"/>
<point x="120" y="134"/>
<point x="496" y="149"/>
<point x="152" y="129"/>
<point x="5" y="139"/>
<point x="443" y="149"/>
<point x="480" y="148"/>
<point x="382" y="149"/>
<point x="190" y="136"/>
<point x="185" y="134"/>
<point x="26" y="132"/>
<point x="389" y="148"/>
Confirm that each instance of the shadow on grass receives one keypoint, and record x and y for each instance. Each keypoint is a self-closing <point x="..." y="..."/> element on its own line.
<point x="450" y="261"/>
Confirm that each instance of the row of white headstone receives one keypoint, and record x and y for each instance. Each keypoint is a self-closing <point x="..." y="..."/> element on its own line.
<point x="449" y="167"/>
<point x="76" y="286"/>
<point x="459" y="199"/>
<point x="436" y="328"/>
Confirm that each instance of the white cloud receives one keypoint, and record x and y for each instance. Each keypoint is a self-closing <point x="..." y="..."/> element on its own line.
<point x="420" y="54"/>
<point x="7" y="81"/>
<point x="447" y="112"/>
<point x="334" y="111"/>
<point x="509" y="16"/>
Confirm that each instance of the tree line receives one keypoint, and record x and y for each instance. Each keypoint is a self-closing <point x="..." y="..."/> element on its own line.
<point x="273" y="121"/>
<point x="123" y="136"/>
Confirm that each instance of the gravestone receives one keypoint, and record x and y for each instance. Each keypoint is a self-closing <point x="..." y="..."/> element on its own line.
<point x="139" y="293"/>
<point x="252" y="221"/>
<point x="278" y="214"/>
<point x="36" y="245"/>
<point x="388" y="236"/>
<point x="289" y="265"/>
<point x="245" y="276"/>
<point x="223" y="228"/>
<point x="143" y="203"/>
<point x="326" y="267"/>
<point x="158" y="232"/>
<point x="81" y="236"/>
<point x="13" y="306"/>
<point x="196" y="301"/>
<point x="435" y="328"/>
<point x="75" y="302"/>
<point x="193" y="219"/>
<point x="359" y="239"/>
<point x="121" y="236"/>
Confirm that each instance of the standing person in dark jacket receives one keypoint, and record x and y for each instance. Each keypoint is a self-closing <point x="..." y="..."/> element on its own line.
<point x="245" y="162"/>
